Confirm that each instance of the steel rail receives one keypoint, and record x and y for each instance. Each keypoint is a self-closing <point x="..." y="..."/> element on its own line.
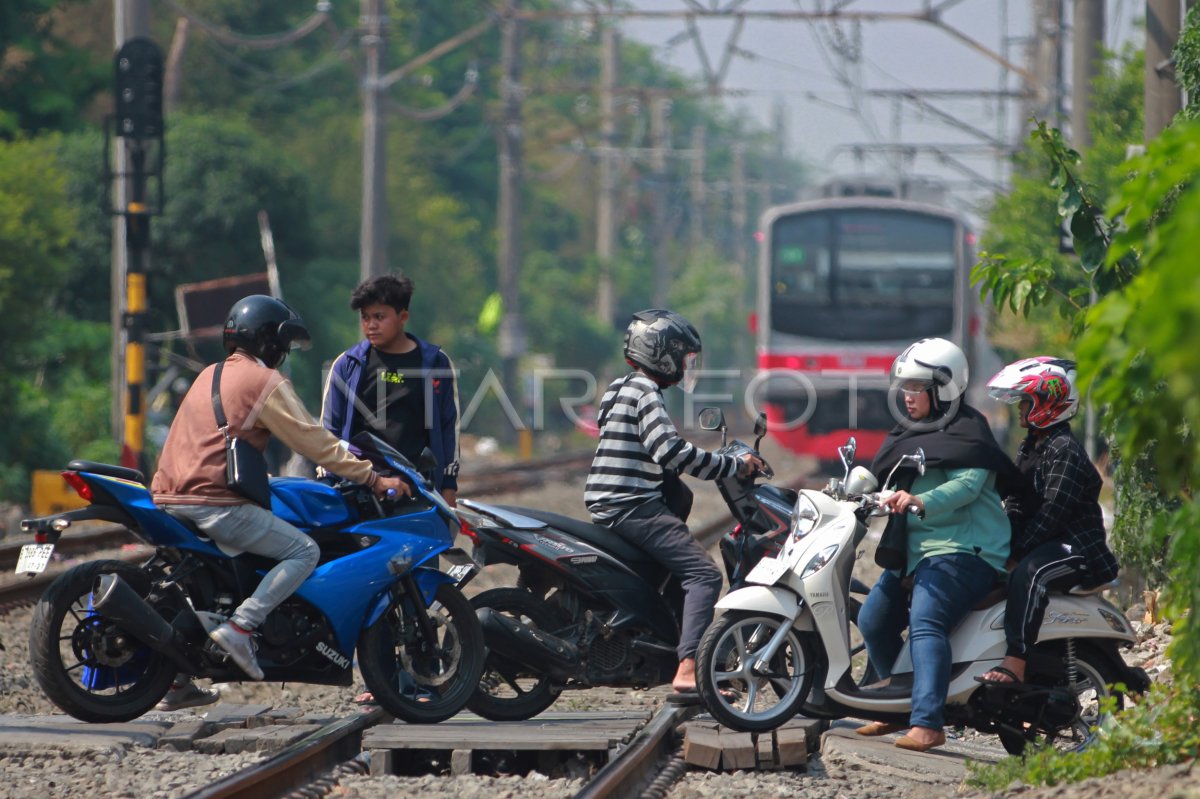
<point x="299" y="763"/>
<point x="637" y="764"/>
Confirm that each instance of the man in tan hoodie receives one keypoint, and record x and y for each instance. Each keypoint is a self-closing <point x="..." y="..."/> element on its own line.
<point x="257" y="402"/>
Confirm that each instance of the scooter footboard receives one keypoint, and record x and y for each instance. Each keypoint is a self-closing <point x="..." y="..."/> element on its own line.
<point x="770" y="600"/>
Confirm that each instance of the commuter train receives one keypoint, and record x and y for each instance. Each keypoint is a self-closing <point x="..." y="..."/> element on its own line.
<point x="845" y="282"/>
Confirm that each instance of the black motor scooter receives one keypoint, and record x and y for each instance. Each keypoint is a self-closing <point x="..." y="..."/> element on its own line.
<point x="590" y="609"/>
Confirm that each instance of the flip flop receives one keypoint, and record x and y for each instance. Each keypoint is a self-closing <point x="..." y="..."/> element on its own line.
<point x="1013" y="681"/>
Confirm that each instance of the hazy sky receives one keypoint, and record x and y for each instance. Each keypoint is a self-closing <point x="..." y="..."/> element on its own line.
<point x="797" y="65"/>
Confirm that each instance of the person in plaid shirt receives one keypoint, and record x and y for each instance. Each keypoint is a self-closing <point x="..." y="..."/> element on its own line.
<point x="1058" y="531"/>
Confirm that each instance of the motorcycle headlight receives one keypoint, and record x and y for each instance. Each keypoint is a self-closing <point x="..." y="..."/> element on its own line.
<point x="804" y="517"/>
<point x="819" y="561"/>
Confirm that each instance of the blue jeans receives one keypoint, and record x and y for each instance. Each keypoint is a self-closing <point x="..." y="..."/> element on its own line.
<point x="249" y="528"/>
<point x="945" y="588"/>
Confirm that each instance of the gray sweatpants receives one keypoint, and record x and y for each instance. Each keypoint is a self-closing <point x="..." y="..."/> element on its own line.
<point x="655" y="529"/>
<point x="249" y="528"/>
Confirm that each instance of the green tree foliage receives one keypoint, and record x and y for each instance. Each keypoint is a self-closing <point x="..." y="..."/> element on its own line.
<point x="1135" y="345"/>
<point x="50" y="365"/>
<point x="44" y="78"/>
<point x="1138" y="353"/>
<point x="1021" y="263"/>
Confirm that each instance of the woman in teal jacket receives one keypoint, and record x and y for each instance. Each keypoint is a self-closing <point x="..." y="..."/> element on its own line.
<point x="953" y="551"/>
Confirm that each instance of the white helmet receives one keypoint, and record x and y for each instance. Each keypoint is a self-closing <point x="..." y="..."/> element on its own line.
<point x="935" y="362"/>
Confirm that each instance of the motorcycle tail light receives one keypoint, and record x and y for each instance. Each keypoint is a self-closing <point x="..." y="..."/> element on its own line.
<point x="737" y="531"/>
<point x="468" y="531"/>
<point x="79" y="484"/>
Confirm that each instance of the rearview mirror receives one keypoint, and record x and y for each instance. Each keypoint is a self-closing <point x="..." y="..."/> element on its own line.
<point x="427" y="463"/>
<point x="712" y="419"/>
<point x="760" y="426"/>
<point x="846" y="452"/>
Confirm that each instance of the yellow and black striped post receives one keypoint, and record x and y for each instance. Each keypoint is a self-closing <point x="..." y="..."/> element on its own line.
<point x="137" y="237"/>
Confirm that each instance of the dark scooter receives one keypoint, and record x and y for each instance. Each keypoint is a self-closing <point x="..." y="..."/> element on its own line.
<point x="590" y="609"/>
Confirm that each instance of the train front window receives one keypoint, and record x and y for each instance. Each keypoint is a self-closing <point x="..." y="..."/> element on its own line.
<point x="863" y="274"/>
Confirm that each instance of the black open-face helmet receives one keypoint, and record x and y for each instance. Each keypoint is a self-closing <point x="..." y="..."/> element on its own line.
<point x="266" y="328"/>
<point x="665" y="346"/>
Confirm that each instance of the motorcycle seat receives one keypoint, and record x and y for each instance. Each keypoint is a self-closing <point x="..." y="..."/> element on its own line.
<point x="108" y="470"/>
<point x="599" y="537"/>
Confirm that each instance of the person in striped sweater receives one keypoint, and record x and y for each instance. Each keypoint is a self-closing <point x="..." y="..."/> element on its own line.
<point x="633" y="486"/>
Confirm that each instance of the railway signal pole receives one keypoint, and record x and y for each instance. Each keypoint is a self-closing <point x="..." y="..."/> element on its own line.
<point x="138" y="71"/>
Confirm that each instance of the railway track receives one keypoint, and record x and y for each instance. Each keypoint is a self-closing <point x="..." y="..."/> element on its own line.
<point x="312" y="766"/>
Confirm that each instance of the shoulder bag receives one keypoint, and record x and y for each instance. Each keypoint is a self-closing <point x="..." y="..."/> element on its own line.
<point x="245" y="466"/>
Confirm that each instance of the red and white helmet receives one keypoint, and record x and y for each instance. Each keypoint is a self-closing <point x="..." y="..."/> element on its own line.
<point x="1046" y="381"/>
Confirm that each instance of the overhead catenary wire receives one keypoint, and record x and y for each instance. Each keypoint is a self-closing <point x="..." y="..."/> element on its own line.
<point x="270" y="41"/>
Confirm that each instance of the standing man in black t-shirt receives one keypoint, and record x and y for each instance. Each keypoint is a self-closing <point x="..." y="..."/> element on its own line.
<point x="395" y="385"/>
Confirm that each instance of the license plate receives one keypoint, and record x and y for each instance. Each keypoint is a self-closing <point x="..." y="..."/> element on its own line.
<point x="767" y="571"/>
<point x="34" y="558"/>
<point x="459" y="571"/>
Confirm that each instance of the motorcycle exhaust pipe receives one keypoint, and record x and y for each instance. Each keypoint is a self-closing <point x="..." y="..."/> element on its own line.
<point x="113" y="599"/>
<point x="540" y="651"/>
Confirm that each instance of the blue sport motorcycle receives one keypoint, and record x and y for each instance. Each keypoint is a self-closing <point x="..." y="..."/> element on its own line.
<point x="107" y="637"/>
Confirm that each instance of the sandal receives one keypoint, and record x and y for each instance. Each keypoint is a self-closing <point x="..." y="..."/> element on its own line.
<point x="1012" y="681"/>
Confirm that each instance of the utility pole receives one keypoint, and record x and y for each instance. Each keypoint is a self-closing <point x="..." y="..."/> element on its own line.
<point x="738" y="212"/>
<point x="699" y="156"/>
<point x="1045" y="55"/>
<point x="1162" y="94"/>
<point x="606" y="205"/>
<point x="131" y="19"/>
<point x="372" y="240"/>
<point x="1087" y="53"/>
<point x="660" y="137"/>
<point x="511" y="145"/>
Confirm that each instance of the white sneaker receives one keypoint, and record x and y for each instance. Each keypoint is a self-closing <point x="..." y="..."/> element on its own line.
<point x="187" y="695"/>
<point x="239" y="646"/>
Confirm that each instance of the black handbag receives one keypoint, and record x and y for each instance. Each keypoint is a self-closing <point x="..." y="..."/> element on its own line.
<point x="676" y="495"/>
<point x="892" y="551"/>
<point x="245" y="466"/>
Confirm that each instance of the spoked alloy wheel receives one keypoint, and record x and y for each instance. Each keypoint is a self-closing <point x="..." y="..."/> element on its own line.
<point x="424" y="682"/>
<point x="509" y="691"/>
<point x="735" y="691"/>
<point x="86" y="664"/>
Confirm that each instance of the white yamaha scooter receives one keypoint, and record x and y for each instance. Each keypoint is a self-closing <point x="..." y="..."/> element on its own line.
<point x="784" y="643"/>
